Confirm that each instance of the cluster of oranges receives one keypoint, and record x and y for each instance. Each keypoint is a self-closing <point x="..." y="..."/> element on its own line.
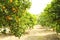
<point x="9" y="17"/>
<point x="13" y="9"/>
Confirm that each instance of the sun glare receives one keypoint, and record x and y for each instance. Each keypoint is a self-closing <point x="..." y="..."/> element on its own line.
<point x="38" y="6"/>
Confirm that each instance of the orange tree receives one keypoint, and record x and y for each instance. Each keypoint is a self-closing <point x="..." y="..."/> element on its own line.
<point x="51" y="16"/>
<point x="13" y="15"/>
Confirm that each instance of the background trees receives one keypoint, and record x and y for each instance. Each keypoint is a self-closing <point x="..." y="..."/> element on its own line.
<point x="51" y="16"/>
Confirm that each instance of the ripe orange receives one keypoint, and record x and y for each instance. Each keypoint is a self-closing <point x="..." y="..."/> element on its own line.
<point x="3" y="7"/>
<point x="11" y="1"/>
<point x="13" y="9"/>
<point x="8" y="18"/>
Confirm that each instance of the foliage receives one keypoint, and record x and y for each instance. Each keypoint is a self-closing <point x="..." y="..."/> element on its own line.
<point x="14" y="16"/>
<point x="28" y="20"/>
<point x="51" y="16"/>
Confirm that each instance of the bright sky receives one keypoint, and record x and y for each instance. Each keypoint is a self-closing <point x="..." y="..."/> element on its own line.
<point x="38" y="6"/>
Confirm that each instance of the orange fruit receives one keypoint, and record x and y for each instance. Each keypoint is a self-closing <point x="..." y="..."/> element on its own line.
<point x="11" y="1"/>
<point x="14" y="10"/>
<point x="3" y="7"/>
<point x="8" y="18"/>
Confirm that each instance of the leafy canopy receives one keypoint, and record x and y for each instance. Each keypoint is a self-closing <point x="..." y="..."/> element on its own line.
<point x="14" y="16"/>
<point x="51" y="15"/>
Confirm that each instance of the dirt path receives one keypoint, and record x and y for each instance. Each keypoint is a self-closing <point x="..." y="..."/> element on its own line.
<point x="34" y="34"/>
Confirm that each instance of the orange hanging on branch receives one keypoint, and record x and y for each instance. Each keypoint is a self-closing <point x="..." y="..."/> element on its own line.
<point x="14" y="9"/>
<point x="8" y="17"/>
<point x="11" y="1"/>
<point x="3" y="7"/>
